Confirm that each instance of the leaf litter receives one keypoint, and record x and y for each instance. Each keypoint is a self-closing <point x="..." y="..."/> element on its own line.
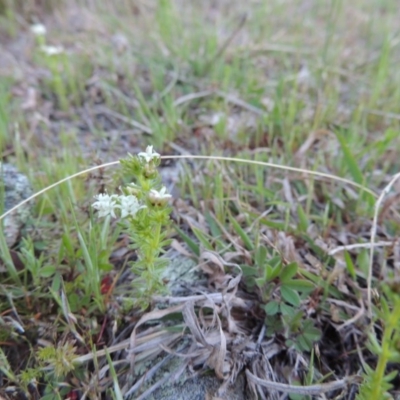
<point x="220" y="324"/>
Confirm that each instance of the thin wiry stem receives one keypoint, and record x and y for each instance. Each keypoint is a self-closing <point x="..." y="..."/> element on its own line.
<point x="53" y="185"/>
<point x="378" y="203"/>
<point x="198" y="157"/>
<point x="306" y="390"/>
<point x="358" y="246"/>
<point x="252" y="162"/>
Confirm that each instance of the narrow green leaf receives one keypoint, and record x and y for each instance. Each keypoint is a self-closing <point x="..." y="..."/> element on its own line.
<point x="304" y="223"/>
<point x="86" y="255"/>
<point x="6" y="368"/>
<point x="213" y="225"/>
<point x="385" y="308"/>
<point x="374" y="344"/>
<point x="272" y="272"/>
<point x="300" y="285"/>
<point x="368" y="369"/>
<point x="56" y="284"/>
<point x="363" y="261"/>
<point x="243" y="235"/>
<point x="280" y="226"/>
<point x="350" y="161"/>
<point x="260" y="256"/>
<point x="204" y="239"/>
<point x="394" y="356"/>
<point x="5" y="256"/>
<point x="312" y="277"/>
<point x="350" y="265"/>
<point x="191" y="243"/>
<point x="117" y="390"/>
<point x="66" y="241"/>
<point x="390" y="376"/>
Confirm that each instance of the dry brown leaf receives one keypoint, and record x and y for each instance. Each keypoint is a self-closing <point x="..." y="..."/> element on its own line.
<point x="193" y="324"/>
<point x="306" y="390"/>
<point x="176" y="245"/>
<point x="156" y="314"/>
<point x="214" y="258"/>
<point x="218" y="354"/>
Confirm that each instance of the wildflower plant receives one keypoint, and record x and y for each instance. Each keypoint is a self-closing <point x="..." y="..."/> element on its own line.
<point x="54" y="58"/>
<point x="143" y="210"/>
<point x="39" y="31"/>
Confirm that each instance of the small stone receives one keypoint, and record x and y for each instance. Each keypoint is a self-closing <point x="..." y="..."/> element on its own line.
<point x="200" y="388"/>
<point x="15" y="188"/>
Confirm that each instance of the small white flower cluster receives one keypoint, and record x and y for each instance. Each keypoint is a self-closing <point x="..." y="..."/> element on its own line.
<point x="52" y="50"/>
<point x="129" y="205"/>
<point x="149" y="154"/>
<point x="38" y="29"/>
<point x="159" y="197"/>
<point x="106" y="205"/>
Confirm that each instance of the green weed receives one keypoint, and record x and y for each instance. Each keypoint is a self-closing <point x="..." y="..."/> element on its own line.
<point x="319" y="90"/>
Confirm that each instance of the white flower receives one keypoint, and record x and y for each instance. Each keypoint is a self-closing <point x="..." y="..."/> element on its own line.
<point x="159" y="197"/>
<point x="105" y="204"/>
<point x="52" y="50"/>
<point x="149" y="154"/>
<point x="38" y="29"/>
<point x="129" y="205"/>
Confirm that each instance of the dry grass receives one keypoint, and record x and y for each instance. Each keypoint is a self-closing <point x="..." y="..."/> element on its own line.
<point x="306" y="93"/>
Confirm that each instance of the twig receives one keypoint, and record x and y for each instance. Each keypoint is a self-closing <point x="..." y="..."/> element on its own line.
<point x="130" y="121"/>
<point x="55" y="185"/>
<point x="238" y="102"/>
<point x="270" y="47"/>
<point x="385" y="191"/>
<point x="352" y="320"/>
<point x="192" y="96"/>
<point x="358" y="246"/>
<point x="306" y="390"/>
<point x="199" y="157"/>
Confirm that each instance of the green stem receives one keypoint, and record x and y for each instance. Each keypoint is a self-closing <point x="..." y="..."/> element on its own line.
<point x="152" y="253"/>
<point x="385" y="351"/>
<point x="157" y="234"/>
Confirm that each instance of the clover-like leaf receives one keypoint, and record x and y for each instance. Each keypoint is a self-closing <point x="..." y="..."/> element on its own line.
<point x="288" y="272"/>
<point x="271" y="308"/>
<point x="290" y="296"/>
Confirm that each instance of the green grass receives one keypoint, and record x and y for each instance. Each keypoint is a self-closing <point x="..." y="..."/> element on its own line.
<point x="313" y="87"/>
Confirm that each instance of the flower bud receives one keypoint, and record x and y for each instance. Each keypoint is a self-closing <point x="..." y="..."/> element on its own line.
<point x="133" y="189"/>
<point x="150" y="171"/>
<point x="159" y="198"/>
